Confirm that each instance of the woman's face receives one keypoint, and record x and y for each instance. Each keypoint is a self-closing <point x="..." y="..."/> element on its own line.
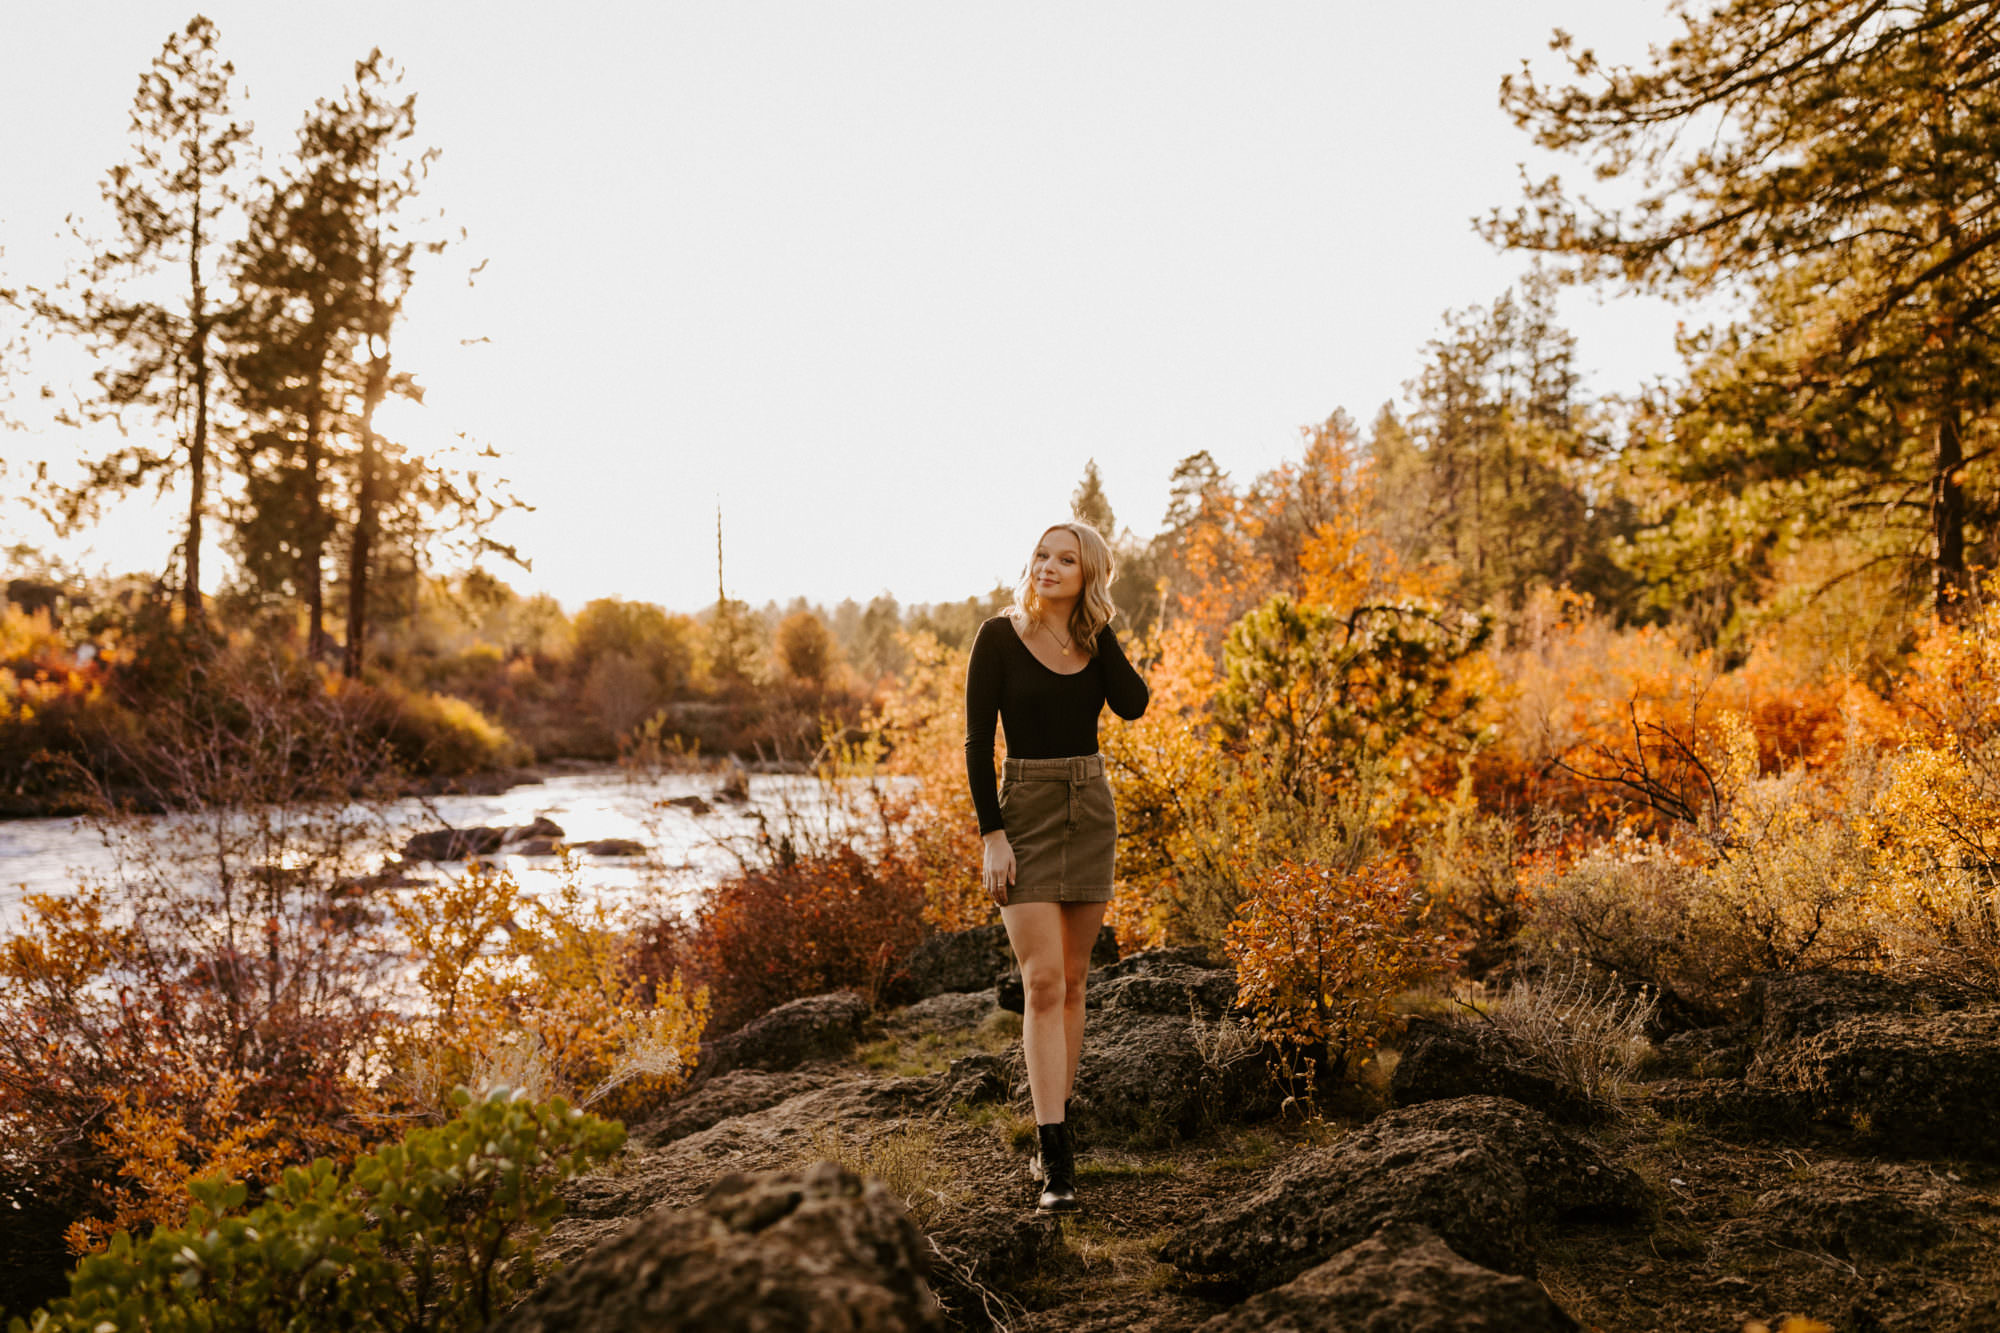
<point x="1057" y="568"/>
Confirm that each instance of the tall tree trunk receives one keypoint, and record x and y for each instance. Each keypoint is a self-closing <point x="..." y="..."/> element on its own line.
<point x="198" y="442"/>
<point x="1948" y="516"/>
<point x="312" y="543"/>
<point x="366" y="520"/>
<point x="197" y="484"/>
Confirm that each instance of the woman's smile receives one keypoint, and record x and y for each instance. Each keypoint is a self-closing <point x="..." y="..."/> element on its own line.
<point x="1058" y="565"/>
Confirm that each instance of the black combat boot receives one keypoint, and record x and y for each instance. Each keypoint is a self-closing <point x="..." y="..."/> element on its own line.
<point x="1059" y="1168"/>
<point x="1036" y="1171"/>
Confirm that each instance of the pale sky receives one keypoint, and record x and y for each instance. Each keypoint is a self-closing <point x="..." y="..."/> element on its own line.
<point x="877" y="277"/>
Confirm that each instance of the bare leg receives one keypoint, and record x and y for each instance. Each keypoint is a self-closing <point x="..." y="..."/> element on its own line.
<point x="1080" y="925"/>
<point x="1036" y="932"/>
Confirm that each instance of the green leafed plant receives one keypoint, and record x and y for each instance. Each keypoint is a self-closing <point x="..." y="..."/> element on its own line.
<point x="437" y="1232"/>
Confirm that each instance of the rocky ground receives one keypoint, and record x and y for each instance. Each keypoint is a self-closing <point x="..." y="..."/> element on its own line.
<point x="1837" y="1157"/>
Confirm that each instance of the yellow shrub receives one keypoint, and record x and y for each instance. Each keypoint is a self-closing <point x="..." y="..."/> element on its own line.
<point x="921" y="721"/>
<point x="1790" y="864"/>
<point x="164" y="1136"/>
<point x="555" y="1009"/>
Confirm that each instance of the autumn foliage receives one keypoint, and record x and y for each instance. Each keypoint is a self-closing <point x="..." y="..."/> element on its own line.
<point x="803" y="922"/>
<point x="1322" y="951"/>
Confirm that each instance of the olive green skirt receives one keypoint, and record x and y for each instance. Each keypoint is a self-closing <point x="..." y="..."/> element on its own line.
<point x="1063" y="827"/>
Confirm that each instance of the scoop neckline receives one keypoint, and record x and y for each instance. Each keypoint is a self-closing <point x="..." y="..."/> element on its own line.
<point x="1015" y="630"/>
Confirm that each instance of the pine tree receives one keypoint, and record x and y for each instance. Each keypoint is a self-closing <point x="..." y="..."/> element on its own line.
<point x="173" y="204"/>
<point x="1829" y="163"/>
<point x="1511" y="487"/>
<point x="373" y="128"/>
<point x="1089" y="503"/>
<point x="301" y="276"/>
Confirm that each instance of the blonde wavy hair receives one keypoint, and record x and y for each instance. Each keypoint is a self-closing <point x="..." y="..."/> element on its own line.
<point x="1094" y="608"/>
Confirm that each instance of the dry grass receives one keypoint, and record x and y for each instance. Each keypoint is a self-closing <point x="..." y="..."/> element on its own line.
<point x="906" y="1054"/>
<point x="906" y="1160"/>
<point x="1584" y="1031"/>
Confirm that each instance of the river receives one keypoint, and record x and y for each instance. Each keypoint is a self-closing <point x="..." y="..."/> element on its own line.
<point x="689" y="851"/>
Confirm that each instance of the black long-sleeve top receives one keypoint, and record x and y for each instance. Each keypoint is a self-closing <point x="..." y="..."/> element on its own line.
<point x="1048" y="715"/>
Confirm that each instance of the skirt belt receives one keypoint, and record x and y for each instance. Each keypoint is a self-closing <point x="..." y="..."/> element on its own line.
<point x="1075" y="770"/>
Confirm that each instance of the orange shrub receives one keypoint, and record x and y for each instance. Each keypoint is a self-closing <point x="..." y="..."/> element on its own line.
<point x="1320" y="952"/>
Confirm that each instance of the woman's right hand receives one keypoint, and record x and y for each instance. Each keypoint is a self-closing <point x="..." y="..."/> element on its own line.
<point x="998" y="872"/>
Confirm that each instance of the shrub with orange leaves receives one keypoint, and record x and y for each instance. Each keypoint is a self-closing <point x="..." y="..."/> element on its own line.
<point x="1165" y="769"/>
<point x="183" y="1127"/>
<point x="1321" y="950"/>
<point x="555" y="1007"/>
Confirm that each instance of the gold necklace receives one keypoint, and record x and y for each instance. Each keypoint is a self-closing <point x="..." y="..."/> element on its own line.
<point x="1057" y="637"/>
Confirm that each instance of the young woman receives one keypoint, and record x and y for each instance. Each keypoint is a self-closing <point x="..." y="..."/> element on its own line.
<point x="1046" y="669"/>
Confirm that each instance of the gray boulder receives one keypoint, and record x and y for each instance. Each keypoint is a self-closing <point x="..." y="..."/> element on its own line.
<point x="1151" y="1078"/>
<point x="1172" y="988"/>
<point x="1154" y="960"/>
<point x="957" y="960"/>
<point x="540" y="827"/>
<point x="975" y="1079"/>
<point x="1905" y="1064"/>
<point x="814" y="1027"/>
<point x="1402" y="1279"/>
<point x="1867" y="1225"/>
<point x="818" y="1251"/>
<point x="951" y="1012"/>
<point x="1793" y="1007"/>
<point x="1715" y="1052"/>
<point x="613" y="847"/>
<point x="739" y="1092"/>
<point x="1484" y="1173"/>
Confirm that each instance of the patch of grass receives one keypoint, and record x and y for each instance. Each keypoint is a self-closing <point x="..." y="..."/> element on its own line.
<point x="1099" y="1168"/>
<point x="1250" y="1150"/>
<point x="1108" y="1258"/>
<point x="1001" y="1031"/>
<point x="905" y="1160"/>
<point x="1442" y="997"/>
<point x="914" y="1055"/>
<point x="902" y="1057"/>
<point x="1676" y="1135"/>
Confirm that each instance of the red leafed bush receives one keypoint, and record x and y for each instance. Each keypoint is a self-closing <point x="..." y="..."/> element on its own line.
<point x="799" y="924"/>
